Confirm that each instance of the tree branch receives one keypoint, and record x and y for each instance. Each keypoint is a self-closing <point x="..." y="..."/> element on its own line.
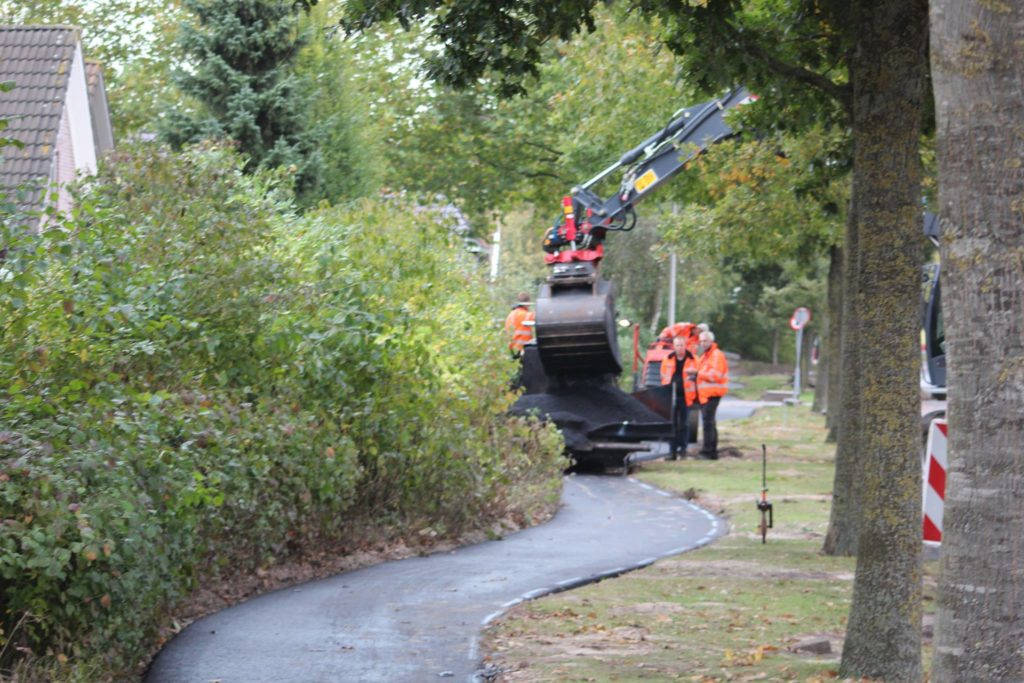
<point x="512" y="170"/>
<point x="554" y="152"/>
<point x="842" y="93"/>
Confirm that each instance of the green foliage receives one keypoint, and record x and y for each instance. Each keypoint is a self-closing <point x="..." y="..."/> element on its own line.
<point x="345" y="134"/>
<point x="579" y="115"/>
<point x="780" y="47"/>
<point x="196" y="380"/>
<point x="502" y="40"/>
<point x="241" y="57"/>
<point x="769" y="208"/>
<point x="770" y="198"/>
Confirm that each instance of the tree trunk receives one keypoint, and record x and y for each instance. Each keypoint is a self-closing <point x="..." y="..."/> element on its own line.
<point x="820" y="403"/>
<point x="831" y="350"/>
<point x="841" y="537"/>
<point x="978" y="67"/>
<point x="775" y="347"/>
<point x="888" y="72"/>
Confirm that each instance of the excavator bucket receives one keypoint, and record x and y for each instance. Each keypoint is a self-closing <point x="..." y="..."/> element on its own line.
<point x="575" y="323"/>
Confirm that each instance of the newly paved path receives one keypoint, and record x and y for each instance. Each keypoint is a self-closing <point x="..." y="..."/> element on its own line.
<point x="420" y="619"/>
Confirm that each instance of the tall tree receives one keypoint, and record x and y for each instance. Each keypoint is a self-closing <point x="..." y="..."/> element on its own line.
<point x="889" y="75"/>
<point x="241" y="56"/>
<point x="978" y="70"/>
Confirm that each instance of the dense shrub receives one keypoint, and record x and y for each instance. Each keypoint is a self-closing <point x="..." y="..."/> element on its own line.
<point x="195" y="378"/>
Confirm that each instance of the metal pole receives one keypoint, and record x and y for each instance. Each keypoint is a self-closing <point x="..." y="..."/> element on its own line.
<point x="495" y="253"/>
<point x="672" y="289"/>
<point x="796" y="371"/>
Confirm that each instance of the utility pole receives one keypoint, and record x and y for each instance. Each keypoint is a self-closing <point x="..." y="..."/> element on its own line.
<point x="672" y="263"/>
<point x="495" y="253"/>
<point x="672" y="289"/>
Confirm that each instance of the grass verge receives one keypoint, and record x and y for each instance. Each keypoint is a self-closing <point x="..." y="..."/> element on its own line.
<point x="753" y="386"/>
<point x="734" y="610"/>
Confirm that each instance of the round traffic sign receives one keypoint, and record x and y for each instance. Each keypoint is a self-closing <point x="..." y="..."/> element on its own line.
<point x="801" y="317"/>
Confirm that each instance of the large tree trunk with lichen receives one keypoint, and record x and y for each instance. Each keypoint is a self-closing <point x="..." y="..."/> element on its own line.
<point x="831" y="351"/>
<point x="978" y="71"/>
<point x="888" y="72"/>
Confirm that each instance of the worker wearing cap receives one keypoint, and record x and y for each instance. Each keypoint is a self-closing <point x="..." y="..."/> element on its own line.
<point x="519" y="325"/>
<point x="679" y="369"/>
<point x="712" y="385"/>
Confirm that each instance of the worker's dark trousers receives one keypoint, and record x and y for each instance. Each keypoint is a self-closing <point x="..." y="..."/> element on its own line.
<point x="682" y="434"/>
<point x="707" y="413"/>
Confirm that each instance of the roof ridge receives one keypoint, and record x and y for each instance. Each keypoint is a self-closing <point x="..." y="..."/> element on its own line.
<point x="42" y="27"/>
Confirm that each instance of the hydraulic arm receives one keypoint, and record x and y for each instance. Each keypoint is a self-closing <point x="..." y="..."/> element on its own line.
<point x="575" y="314"/>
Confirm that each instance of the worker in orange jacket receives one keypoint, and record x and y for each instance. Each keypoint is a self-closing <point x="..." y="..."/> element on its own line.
<point x="679" y="369"/>
<point x="712" y="385"/>
<point x="519" y="325"/>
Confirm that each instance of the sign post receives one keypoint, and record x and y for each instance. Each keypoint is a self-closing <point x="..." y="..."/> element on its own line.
<point x="798" y="321"/>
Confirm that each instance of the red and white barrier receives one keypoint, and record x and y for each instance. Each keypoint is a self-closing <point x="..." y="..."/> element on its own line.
<point x="935" y="467"/>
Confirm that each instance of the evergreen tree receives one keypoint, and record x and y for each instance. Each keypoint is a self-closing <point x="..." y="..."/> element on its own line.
<point x="241" y="70"/>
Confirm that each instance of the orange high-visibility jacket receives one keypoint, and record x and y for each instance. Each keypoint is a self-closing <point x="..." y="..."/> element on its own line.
<point x="668" y="368"/>
<point x="515" y="325"/>
<point x="688" y="330"/>
<point x="712" y="374"/>
<point x="677" y="329"/>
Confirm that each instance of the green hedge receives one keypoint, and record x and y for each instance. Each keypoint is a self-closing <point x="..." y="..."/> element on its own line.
<point x="194" y="378"/>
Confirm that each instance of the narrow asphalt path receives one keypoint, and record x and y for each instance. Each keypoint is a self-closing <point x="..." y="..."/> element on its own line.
<point x="420" y="619"/>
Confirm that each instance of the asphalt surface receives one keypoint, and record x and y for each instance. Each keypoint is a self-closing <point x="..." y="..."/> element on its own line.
<point x="420" y="618"/>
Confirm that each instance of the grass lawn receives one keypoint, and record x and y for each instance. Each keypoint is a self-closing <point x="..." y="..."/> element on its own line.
<point x="730" y="611"/>
<point x="755" y="385"/>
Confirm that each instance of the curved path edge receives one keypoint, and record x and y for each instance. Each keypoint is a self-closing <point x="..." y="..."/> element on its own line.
<point x="421" y="618"/>
<point x="717" y="531"/>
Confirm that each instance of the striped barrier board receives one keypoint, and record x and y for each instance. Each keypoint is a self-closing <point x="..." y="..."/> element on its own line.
<point x="935" y="468"/>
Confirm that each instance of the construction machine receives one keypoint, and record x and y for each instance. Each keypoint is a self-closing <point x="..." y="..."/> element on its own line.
<point x="575" y="312"/>
<point x="569" y="371"/>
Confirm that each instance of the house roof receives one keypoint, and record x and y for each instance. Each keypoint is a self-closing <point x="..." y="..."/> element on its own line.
<point x="38" y="60"/>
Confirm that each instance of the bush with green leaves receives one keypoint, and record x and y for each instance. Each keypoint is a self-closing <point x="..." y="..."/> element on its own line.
<point x="196" y="380"/>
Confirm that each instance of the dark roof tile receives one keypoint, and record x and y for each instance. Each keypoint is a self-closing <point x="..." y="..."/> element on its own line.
<point x="38" y="60"/>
